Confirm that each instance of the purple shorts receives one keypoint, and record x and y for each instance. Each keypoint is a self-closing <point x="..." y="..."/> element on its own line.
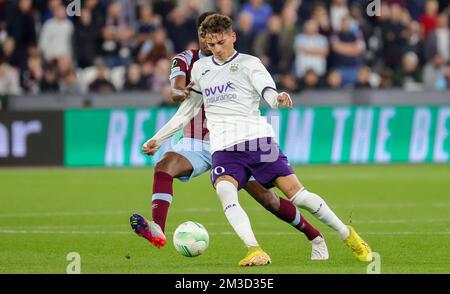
<point x="260" y="158"/>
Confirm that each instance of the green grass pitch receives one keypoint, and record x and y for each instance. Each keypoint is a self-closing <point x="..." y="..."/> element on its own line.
<point x="402" y="211"/>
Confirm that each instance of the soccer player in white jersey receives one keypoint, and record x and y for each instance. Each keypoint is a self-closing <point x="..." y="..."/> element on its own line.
<point x="231" y="86"/>
<point x="191" y="157"/>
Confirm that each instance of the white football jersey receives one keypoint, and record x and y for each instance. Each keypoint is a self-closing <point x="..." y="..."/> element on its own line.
<point x="231" y="93"/>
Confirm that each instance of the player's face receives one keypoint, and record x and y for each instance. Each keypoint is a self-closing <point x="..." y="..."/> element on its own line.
<point x="204" y="46"/>
<point x="221" y="45"/>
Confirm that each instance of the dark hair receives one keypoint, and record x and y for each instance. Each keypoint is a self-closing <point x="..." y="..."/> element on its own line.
<point x="202" y="17"/>
<point x="216" y="24"/>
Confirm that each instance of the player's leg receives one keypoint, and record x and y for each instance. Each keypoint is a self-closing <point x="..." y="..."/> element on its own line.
<point x="227" y="190"/>
<point x="286" y="211"/>
<point x="189" y="158"/>
<point x="275" y="169"/>
<point x="299" y="196"/>
<point x="172" y="165"/>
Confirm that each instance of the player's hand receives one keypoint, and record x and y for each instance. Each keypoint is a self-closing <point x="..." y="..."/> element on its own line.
<point x="285" y="100"/>
<point x="150" y="147"/>
<point x="187" y="90"/>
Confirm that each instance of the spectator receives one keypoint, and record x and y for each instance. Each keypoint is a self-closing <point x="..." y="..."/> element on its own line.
<point x="439" y="40"/>
<point x="134" y="81"/>
<point x="434" y="71"/>
<point x="127" y="11"/>
<point x="226" y="7"/>
<point x="408" y="76"/>
<point x="164" y="7"/>
<point x="9" y="79"/>
<point x="311" y="50"/>
<point x="338" y="10"/>
<point x="88" y="34"/>
<point x="269" y="29"/>
<point x="363" y="81"/>
<point x="359" y="21"/>
<point x="56" y="36"/>
<point x="159" y="79"/>
<point x="394" y="37"/>
<point x="245" y="34"/>
<point x="97" y="13"/>
<point x="415" y="41"/>
<point x="49" y="84"/>
<point x="148" y="22"/>
<point x="117" y="35"/>
<point x="9" y="53"/>
<point x="157" y="48"/>
<point x="287" y="36"/>
<point x="181" y="29"/>
<point x="147" y="70"/>
<point x="260" y="11"/>
<point x="288" y="83"/>
<point x="268" y="45"/>
<point x="69" y="83"/>
<point x="348" y="48"/>
<point x="386" y="78"/>
<point x="415" y="8"/>
<point x="310" y="81"/>
<point x="48" y="11"/>
<point x="320" y="15"/>
<point x="33" y="75"/>
<point x="428" y="21"/>
<point x="20" y="26"/>
<point x="101" y="84"/>
<point x="334" y="80"/>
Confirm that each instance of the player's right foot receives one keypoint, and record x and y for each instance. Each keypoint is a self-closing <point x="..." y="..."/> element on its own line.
<point x="360" y="248"/>
<point x="319" y="250"/>
<point x="148" y="230"/>
<point x="255" y="257"/>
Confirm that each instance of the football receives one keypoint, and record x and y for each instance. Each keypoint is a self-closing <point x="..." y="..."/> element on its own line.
<point x="191" y="239"/>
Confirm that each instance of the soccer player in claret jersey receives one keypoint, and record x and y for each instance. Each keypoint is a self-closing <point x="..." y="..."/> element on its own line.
<point x="231" y="86"/>
<point x="191" y="157"/>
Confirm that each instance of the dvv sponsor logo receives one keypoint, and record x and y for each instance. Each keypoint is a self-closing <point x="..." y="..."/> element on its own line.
<point x="219" y="89"/>
<point x="224" y="92"/>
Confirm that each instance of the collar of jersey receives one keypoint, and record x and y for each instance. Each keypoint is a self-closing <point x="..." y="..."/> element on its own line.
<point x="229" y="59"/>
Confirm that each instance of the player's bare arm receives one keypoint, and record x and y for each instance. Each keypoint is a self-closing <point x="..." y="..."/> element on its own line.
<point x="178" y="88"/>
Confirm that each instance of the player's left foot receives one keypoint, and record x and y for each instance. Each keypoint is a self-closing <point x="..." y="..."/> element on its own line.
<point x="255" y="257"/>
<point x="148" y="230"/>
<point x="319" y="250"/>
<point x="360" y="248"/>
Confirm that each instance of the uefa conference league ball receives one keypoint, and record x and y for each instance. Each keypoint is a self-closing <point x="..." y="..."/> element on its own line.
<point x="191" y="239"/>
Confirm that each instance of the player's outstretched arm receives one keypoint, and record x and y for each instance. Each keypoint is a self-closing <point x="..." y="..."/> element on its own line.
<point x="265" y="85"/>
<point x="186" y="112"/>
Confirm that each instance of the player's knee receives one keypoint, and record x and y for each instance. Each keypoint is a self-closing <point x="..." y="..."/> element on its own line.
<point x="167" y="164"/>
<point x="227" y="192"/>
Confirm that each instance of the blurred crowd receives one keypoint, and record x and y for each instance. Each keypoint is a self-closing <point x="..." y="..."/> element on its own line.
<point x="126" y="45"/>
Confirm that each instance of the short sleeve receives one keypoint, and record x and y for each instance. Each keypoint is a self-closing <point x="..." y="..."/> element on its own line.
<point x="178" y="68"/>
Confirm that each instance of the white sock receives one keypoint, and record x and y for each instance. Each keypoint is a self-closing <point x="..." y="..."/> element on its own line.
<point x="236" y="216"/>
<point x="317" y="206"/>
